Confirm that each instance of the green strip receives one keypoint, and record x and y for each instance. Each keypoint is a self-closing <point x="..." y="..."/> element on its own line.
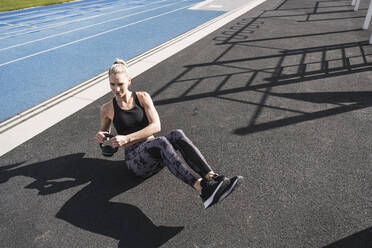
<point x="6" y="5"/>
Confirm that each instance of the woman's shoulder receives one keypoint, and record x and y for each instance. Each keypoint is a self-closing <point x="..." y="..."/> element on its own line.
<point x="107" y="107"/>
<point x="142" y="94"/>
<point x="143" y="97"/>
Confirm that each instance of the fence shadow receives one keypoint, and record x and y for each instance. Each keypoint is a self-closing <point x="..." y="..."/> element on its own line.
<point x="362" y="239"/>
<point x="277" y="66"/>
<point x="282" y="74"/>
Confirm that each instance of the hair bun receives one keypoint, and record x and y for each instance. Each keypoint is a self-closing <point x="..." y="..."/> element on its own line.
<point x="119" y="61"/>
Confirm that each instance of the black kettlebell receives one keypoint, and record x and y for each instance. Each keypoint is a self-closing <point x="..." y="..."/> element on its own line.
<point x="108" y="150"/>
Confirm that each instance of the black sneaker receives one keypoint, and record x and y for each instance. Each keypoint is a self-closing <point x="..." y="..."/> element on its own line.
<point x="228" y="187"/>
<point x="209" y="190"/>
<point x="216" y="177"/>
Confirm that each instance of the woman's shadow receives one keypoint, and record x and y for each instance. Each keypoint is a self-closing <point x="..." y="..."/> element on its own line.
<point x="91" y="208"/>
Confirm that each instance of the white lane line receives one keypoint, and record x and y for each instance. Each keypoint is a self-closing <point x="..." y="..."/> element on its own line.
<point x="44" y="8"/>
<point x="21" y="32"/>
<point x="89" y="26"/>
<point x="36" y="16"/>
<point x="215" y="6"/>
<point x="84" y="12"/>
<point x="90" y="37"/>
<point x="30" y="123"/>
<point x="17" y="25"/>
<point x="76" y="12"/>
<point x="201" y="4"/>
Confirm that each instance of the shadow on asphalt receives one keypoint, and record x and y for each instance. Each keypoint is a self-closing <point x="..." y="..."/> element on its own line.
<point x="362" y="239"/>
<point x="264" y="73"/>
<point x="346" y="101"/>
<point x="90" y="208"/>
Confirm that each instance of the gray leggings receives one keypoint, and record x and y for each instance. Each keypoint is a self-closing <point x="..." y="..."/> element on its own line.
<point x="147" y="158"/>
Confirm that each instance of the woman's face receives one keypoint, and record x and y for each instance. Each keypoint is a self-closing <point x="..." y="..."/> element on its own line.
<point x="119" y="84"/>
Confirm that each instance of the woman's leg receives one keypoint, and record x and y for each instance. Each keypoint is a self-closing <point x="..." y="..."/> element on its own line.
<point x="190" y="153"/>
<point x="141" y="162"/>
<point x="146" y="159"/>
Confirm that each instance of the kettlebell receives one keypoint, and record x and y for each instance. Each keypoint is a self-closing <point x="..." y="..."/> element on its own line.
<point x="108" y="150"/>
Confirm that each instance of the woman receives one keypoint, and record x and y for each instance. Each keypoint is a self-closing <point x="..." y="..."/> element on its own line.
<point x="136" y="121"/>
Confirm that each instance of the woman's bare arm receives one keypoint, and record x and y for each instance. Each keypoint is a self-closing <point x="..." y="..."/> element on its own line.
<point x="152" y="128"/>
<point x="106" y="121"/>
<point x="152" y="116"/>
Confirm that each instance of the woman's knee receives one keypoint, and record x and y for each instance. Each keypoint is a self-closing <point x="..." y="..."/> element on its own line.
<point x="177" y="134"/>
<point x="162" y="142"/>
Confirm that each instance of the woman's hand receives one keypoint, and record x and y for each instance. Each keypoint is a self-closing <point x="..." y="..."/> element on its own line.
<point x="100" y="137"/>
<point x="119" y="140"/>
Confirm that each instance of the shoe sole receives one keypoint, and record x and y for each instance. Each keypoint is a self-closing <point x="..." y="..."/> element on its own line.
<point x="231" y="189"/>
<point x="209" y="201"/>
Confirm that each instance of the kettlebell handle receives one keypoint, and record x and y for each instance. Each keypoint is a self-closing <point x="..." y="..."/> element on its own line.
<point x="108" y="150"/>
<point x="109" y="135"/>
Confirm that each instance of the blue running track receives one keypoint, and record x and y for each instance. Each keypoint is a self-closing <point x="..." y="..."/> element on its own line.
<point x="47" y="50"/>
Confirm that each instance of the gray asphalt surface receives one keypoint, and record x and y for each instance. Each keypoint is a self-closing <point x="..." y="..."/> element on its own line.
<point x="281" y="96"/>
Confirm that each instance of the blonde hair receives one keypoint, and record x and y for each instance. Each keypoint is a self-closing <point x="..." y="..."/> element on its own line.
<point x="119" y="66"/>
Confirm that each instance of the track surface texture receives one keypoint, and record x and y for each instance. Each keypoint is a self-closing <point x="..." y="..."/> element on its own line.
<point x="281" y="96"/>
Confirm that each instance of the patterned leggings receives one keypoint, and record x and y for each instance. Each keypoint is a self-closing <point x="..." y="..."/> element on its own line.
<point x="149" y="157"/>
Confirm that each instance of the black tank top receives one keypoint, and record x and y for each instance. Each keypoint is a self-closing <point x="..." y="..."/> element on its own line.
<point x="129" y="121"/>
